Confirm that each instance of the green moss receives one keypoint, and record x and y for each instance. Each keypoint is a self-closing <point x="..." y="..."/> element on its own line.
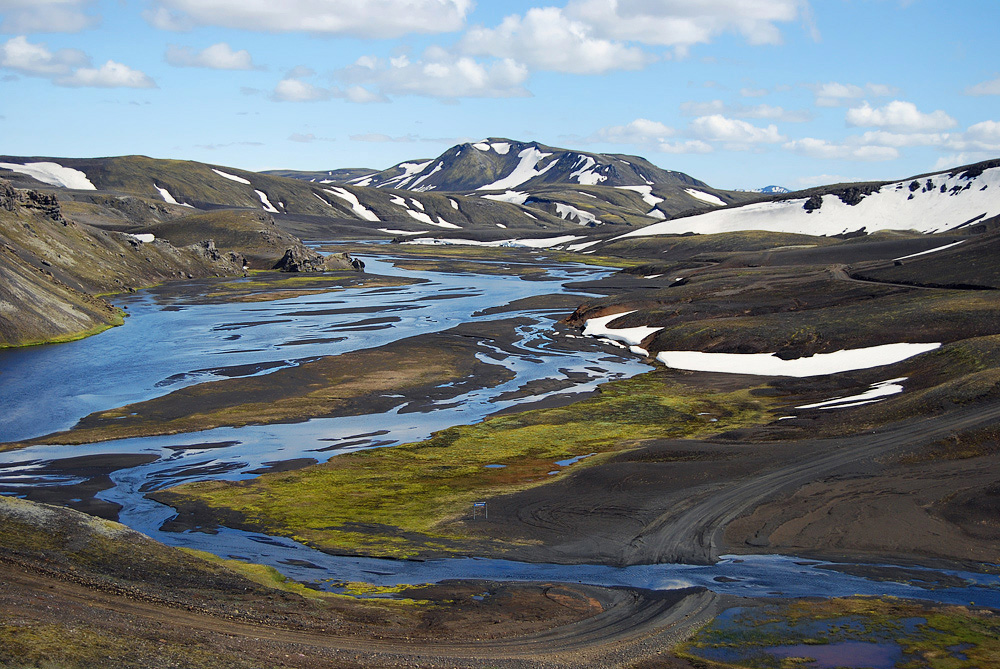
<point x="404" y="501"/>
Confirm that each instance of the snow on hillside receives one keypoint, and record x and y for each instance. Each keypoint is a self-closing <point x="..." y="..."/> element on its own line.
<point x="168" y="198"/>
<point x="231" y="177"/>
<point x="646" y="192"/>
<point x="358" y="208"/>
<point x="585" y="173"/>
<point x="53" y="174"/>
<point x="512" y="196"/>
<point x="267" y="203"/>
<point x="937" y="203"/>
<point x="525" y="170"/>
<point x="705" y="197"/>
<point x="567" y="211"/>
<point x="545" y="243"/>
<point x="410" y="170"/>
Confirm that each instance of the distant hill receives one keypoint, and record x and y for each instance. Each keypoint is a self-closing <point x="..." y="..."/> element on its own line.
<point x="499" y="164"/>
<point x="768" y="190"/>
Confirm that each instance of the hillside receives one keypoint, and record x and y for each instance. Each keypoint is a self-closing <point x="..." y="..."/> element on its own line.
<point x="51" y="269"/>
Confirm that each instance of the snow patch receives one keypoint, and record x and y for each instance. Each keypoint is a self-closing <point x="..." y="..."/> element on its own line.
<point x="524" y="171"/>
<point x="441" y="223"/>
<point x="512" y="196"/>
<point x="585" y="174"/>
<point x="482" y="146"/>
<point x="579" y="247"/>
<point x="421" y="216"/>
<point x="877" y="392"/>
<point x="143" y="237"/>
<point x="598" y="327"/>
<point x="454" y="205"/>
<point x="436" y="169"/>
<point x="402" y="233"/>
<point x="923" y="253"/>
<point x="502" y="243"/>
<point x="53" y="174"/>
<point x="705" y="197"/>
<point x="264" y="201"/>
<point x="565" y="211"/>
<point x="500" y="147"/>
<point x="358" y="208"/>
<point x="646" y="192"/>
<point x="231" y="177"/>
<point x="168" y="198"/>
<point x="769" y="364"/>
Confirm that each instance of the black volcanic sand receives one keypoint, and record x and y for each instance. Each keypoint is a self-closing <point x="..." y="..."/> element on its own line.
<point x="78" y="591"/>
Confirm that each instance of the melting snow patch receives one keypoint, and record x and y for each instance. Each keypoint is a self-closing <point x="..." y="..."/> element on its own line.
<point x="579" y="247"/>
<point x="144" y="237"/>
<point x="441" y="223"/>
<point x="503" y="243"/>
<point x="500" y="147"/>
<point x="482" y="146"/>
<point x="877" y="392"/>
<point x="267" y="203"/>
<point x="769" y="364"/>
<point x="409" y="171"/>
<point x="418" y="204"/>
<point x="646" y="192"/>
<point x="402" y="233"/>
<point x="454" y="205"/>
<point x="923" y="253"/>
<point x="168" y="198"/>
<point x="395" y="199"/>
<point x="583" y="217"/>
<point x="53" y="174"/>
<point x="436" y="169"/>
<point x="598" y="327"/>
<point x="705" y="197"/>
<point x="421" y="216"/>
<point x="524" y="171"/>
<point x="231" y="177"/>
<point x="356" y="206"/>
<point x="512" y="196"/>
<point x="585" y="174"/>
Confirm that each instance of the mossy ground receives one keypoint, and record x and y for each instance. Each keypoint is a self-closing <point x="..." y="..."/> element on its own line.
<point x="930" y="637"/>
<point x="404" y="501"/>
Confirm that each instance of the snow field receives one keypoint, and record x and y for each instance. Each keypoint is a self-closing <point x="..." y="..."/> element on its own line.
<point x="267" y="203"/>
<point x="877" y="392"/>
<point x="705" y="197"/>
<point x="525" y="170"/>
<point x="53" y="174"/>
<point x="598" y="327"/>
<point x="566" y="211"/>
<point x="358" y="208"/>
<point x="168" y="198"/>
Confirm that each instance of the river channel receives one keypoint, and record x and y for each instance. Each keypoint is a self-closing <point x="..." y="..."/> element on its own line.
<point x="174" y="339"/>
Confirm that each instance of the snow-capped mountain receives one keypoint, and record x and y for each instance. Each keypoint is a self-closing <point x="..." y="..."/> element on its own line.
<point x="938" y="202"/>
<point x="768" y="190"/>
<point x="498" y="164"/>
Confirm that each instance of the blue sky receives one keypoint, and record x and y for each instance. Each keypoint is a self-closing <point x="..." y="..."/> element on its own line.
<point x="738" y="93"/>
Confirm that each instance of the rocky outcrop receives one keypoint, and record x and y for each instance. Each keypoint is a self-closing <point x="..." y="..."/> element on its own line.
<point x="301" y="259"/>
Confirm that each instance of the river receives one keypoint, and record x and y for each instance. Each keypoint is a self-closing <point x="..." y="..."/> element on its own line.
<point x="173" y="339"/>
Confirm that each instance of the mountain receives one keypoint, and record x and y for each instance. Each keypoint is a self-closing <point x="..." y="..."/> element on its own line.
<point x="499" y="164"/>
<point x="769" y="190"/>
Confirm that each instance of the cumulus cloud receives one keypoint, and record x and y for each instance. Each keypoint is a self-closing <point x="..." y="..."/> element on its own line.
<point x="68" y="67"/>
<point x="991" y="87"/>
<point x="439" y="74"/>
<point x="296" y="90"/>
<point x="359" y="18"/>
<point x="899" y="116"/>
<point x="217" y="57"/>
<point x="763" y="111"/>
<point x="36" y="60"/>
<point x="361" y="95"/>
<point x="640" y="131"/>
<point x="109" y="75"/>
<point x="821" y="148"/>
<point x="688" y="146"/>
<point x="719" y="128"/>
<point x="51" y="16"/>
<point x="546" y="39"/>
<point x="682" y="24"/>
<point x="834" y="94"/>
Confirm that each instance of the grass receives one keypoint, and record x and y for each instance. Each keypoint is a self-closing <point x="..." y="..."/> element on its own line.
<point x="405" y="501"/>
<point x="930" y="637"/>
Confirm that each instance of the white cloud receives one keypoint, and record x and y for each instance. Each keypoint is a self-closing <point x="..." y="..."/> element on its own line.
<point x="764" y="111"/>
<point x="682" y="24"/>
<point x="36" y="60"/>
<point x="109" y="75"/>
<point x="440" y="74"/>
<point x="963" y="158"/>
<point x="296" y="90"/>
<point x="753" y="92"/>
<point x="545" y="39"/>
<point x="361" y="95"/>
<point x="307" y="138"/>
<point x="899" y="116"/>
<point x="821" y="148"/>
<point x="991" y="87"/>
<point x="639" y="131"/>
<point x="987" y="131"/>
<point x="718" y="128"/>
<point x="217" y="57"/>
<point x="688" y="146"/>
<point x="900" y="140"/>
<point x="361" y="18"/>
<point x="834" y="94"/>
<point x="50" y="16"/>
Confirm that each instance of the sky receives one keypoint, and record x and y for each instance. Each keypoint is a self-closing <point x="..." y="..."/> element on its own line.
<point x="737" y="93"/>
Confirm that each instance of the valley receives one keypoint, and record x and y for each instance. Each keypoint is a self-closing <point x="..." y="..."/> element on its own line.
<point x="673" y="400"/>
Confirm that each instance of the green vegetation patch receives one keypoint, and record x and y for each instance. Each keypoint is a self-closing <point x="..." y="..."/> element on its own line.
<point x="407" y="500"/>
<point x="854" y="631"/>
